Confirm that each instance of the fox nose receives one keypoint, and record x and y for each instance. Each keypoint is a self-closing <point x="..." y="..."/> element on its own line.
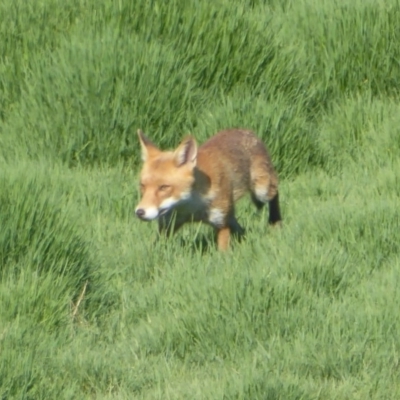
<point x="140" y="212"/>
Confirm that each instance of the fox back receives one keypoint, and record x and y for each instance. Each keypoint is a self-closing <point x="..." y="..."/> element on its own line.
<point x="191" y="184"/>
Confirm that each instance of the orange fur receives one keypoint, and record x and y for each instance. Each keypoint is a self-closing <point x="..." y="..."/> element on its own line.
<point x="191" y="184"/>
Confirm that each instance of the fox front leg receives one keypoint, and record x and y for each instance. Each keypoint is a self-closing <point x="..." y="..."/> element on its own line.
<point x="223" y="238"/>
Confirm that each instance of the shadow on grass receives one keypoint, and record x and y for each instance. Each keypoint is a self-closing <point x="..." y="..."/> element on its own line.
<point x="205" y="243"/>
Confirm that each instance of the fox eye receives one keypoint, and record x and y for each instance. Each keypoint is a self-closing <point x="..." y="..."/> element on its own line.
<point x="163" y="188"/>
<point x="141" y="186"/>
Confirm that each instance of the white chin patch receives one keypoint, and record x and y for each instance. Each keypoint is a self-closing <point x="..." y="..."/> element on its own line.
<point x="150" y="213"/>
<point x="167" y="204"/>
<point x="185" y="195"/>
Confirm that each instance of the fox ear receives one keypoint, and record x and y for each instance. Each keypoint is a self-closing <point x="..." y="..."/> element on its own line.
<point x="148" y="147"/>
<point x="186" y="153"/>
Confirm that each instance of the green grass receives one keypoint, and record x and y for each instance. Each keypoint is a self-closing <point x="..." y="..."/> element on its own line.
<point x="92" y="307"/>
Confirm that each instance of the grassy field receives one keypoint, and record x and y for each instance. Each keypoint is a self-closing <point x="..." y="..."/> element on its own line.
<point x="92" y="307"/>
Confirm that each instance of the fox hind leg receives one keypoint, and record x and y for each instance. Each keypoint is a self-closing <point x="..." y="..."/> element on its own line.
<point x="274" y="211"/>
<point x="265" y="190"/>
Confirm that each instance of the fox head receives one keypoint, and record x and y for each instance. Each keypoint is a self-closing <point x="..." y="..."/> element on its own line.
<point x="166" y="178"/>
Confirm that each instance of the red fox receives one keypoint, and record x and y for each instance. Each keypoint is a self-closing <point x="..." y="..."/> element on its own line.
<point x="202" y="184"/>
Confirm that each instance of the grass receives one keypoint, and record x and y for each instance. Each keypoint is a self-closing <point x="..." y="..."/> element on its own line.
<point x="92" y="307"/>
